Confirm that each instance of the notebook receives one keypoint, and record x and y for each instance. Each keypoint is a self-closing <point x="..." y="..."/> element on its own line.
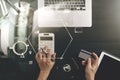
<point x="61" y="13"/>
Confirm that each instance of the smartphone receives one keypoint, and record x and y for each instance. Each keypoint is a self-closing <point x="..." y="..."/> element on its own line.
<point x="46" y="39"/>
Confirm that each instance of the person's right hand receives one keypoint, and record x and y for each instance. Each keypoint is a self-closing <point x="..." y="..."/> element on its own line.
<point x="45" y="62"/>
<point x="91" y="65"/>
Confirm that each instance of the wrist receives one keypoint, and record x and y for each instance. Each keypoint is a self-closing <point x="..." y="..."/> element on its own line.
<point x="89" y="77"/>
<point x="43" y="75"/>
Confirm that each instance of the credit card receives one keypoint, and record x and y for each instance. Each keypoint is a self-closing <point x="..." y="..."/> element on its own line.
<point x="85" y="54"/>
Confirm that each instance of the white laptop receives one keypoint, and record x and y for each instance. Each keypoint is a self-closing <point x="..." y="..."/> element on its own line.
<point x="61" y="13"/>
<point x="109" y="67"/>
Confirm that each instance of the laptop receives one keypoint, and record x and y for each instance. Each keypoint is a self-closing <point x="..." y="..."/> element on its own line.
<point x="109" y="67"/>
<point x="64" y="13"/>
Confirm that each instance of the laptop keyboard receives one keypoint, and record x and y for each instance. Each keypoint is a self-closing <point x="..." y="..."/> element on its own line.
<point x="66" y="4"/>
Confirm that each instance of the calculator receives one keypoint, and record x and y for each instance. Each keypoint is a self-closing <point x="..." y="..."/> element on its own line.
<point x="46" y="39"/>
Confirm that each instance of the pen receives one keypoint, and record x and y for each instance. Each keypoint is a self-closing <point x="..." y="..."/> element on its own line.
<point x="44" y="51"/>
<point x="47" y="53"/>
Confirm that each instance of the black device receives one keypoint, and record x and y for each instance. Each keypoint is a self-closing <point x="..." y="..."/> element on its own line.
<point x="109" y="67"/>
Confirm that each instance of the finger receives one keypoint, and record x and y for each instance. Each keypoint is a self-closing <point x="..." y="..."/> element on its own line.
<point x="49" y="55"/>
<point x="95" y="61"/>
<point x="54" y="57"/>
<point x="40" y="50"/>
<point x="43" y="56"/>
<point x="84" y="63"/>
<point x="95" y="56"/>
<point x="89" y="62"/>
<point x="38" y="57"/>
<point x="44" y="59"/>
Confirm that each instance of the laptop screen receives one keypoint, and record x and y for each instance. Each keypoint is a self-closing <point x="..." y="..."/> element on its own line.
<point x="109" y="69"/>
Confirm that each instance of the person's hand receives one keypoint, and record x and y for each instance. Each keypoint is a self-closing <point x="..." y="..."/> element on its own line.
<point x="91" y="65"/>
<point x="45" y="62"/>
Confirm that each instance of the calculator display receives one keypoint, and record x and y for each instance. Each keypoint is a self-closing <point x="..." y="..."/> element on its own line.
<point x="46" y="38"/>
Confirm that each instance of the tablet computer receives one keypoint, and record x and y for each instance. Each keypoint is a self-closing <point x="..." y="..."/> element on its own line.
<point x="109" y="67"/>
